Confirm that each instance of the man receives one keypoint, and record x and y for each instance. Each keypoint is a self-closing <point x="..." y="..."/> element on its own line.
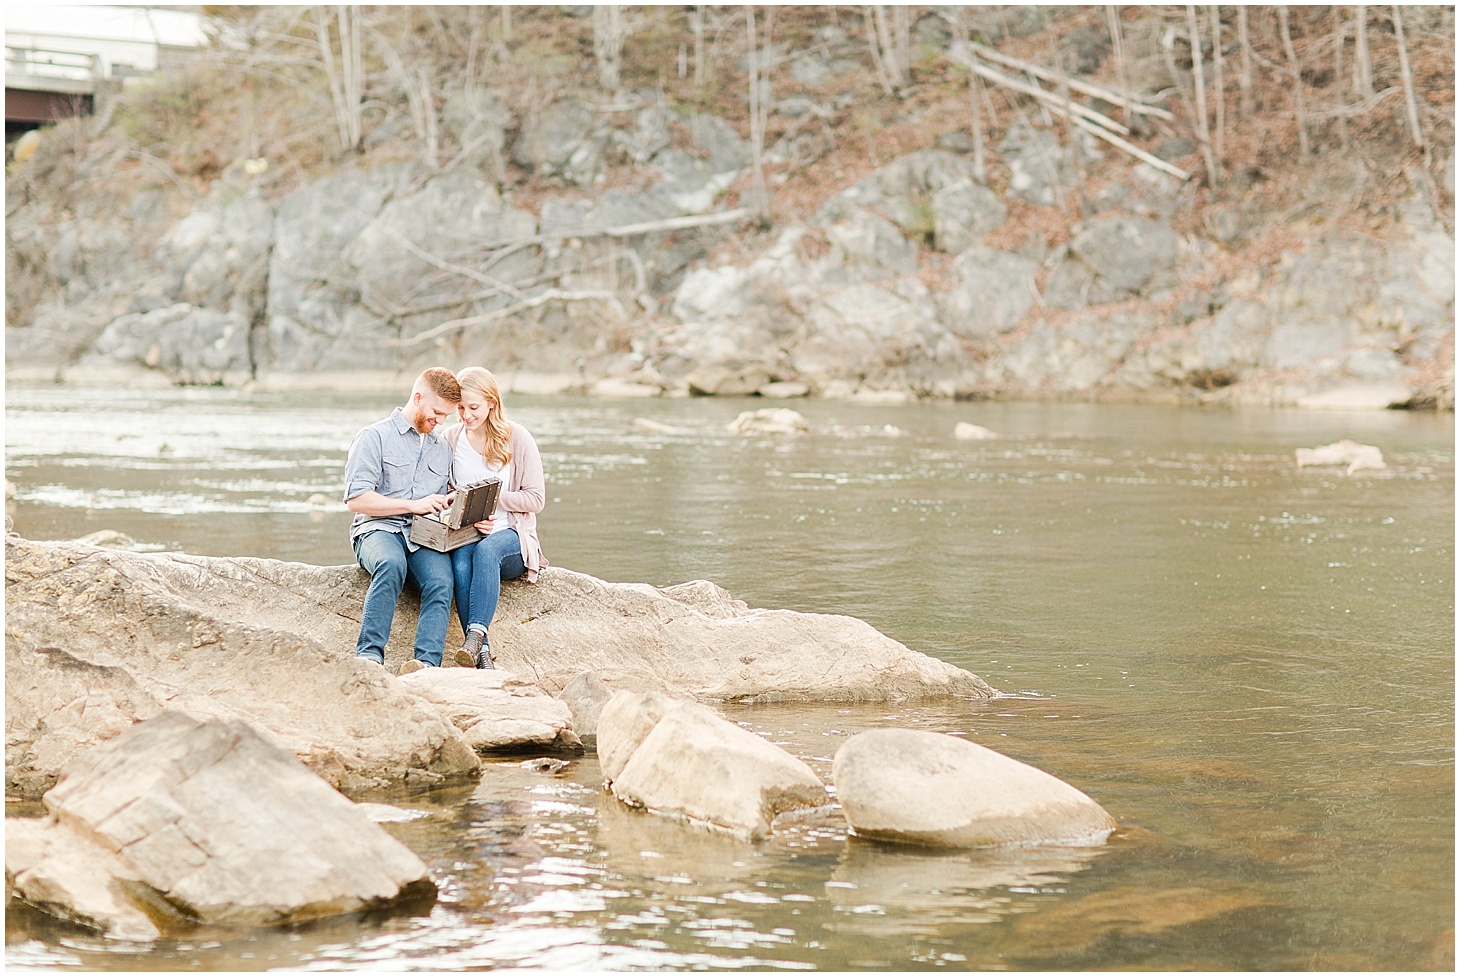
<point x="398" y="467"/>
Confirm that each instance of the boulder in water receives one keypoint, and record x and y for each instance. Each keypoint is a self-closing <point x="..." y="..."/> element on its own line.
<point x="922" y="788"/>
<point x="768" y="420"/>
<point x="1351" y="454"/>
<point x="680" y="759"/>
<point x="179" y="821"/>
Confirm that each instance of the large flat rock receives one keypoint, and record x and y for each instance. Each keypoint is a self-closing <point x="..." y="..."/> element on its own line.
<point x="98" y="639"/>
<point x="697" y="639"/>
<point x="177" y="821"/>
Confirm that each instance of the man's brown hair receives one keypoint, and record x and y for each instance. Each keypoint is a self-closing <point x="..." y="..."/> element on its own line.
<point x="442" y="383"/>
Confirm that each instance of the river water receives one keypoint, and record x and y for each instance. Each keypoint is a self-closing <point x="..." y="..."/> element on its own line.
<point x="1250" y="666"/>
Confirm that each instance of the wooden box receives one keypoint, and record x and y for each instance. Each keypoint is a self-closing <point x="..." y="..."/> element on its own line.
<point x="454" y="527"/>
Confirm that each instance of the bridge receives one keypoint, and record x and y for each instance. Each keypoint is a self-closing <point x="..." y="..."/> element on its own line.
<point x="59" y="60"/>
<point x="43" y="86"/>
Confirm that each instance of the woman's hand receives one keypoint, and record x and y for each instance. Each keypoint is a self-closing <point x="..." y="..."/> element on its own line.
<point x="484" y="527"/>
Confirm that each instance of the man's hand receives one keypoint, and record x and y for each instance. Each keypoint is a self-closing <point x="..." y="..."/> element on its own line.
<point x="431" y="503"/>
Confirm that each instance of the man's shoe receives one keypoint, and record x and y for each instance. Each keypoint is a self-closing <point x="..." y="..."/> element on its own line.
<point x="414" y="665"/>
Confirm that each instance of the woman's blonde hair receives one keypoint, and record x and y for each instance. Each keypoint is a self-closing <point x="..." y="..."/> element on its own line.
<point x="479" y="381"/>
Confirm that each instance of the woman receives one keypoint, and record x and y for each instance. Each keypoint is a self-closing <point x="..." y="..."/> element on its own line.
<point x="486" y="445"/>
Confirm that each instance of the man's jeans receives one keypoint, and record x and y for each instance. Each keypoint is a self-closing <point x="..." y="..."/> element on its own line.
<point x="383" y="554"/>
<point x="479" y="569"/>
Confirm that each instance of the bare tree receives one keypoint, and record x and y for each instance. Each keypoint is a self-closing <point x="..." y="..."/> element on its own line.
<point x="1117" y="47"/>
<point x="1363" y="66"/>
<point x="1244" y="77"/>
<point x="901" y="33"/>
<point x="757" y="115"/>
<point x="610" y="28"/>
<point x="1297" y="74"/>
<point x="1411" y="106"/>
<point x="697" y="24"/>
<point x="420" y="98"/>
<point x="1340" y="35"/>
<point x="1203" y="132"/>
<point x="975" y="93"/>
<point x="347" y="76"/>
<point x="1219" y="79"/>
<point x="890" y="71"/>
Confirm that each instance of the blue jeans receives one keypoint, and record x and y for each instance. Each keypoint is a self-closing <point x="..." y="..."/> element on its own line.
<point x="383" y="554"/>
<point x="479" y="569"/>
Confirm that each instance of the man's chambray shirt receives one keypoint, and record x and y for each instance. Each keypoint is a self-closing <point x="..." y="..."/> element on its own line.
<point x="389" y="457"/>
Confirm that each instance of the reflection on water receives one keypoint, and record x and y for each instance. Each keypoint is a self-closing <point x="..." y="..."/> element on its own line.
<point x="1250" y="666"/>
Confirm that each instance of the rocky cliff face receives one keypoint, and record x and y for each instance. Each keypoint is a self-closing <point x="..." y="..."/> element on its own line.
<point x="620" y="257"/>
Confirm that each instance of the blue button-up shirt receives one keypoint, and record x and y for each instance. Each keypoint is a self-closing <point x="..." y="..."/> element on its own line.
<point x="391" y="458"/>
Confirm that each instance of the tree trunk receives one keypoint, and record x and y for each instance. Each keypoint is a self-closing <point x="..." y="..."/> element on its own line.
<point x="1297" y="73"/>
<point x="757" y="133"/>
<point x="608" y="43"/>
<point x="1340" y="35"/>
<point x="1244" y="77"/>
<point x="1411" y="106"/>
<point x="975" y="92"/>
<point x="1203" y="131"/>
<point x="1219" y="144"/>
<point x="1363" y="66"/>
<point x="900" y="30"/>
<point x="697" y="23"/>
<point x="345" y="79"/>
<point x="884" y="52"/>
<point x="1117" y="48"/>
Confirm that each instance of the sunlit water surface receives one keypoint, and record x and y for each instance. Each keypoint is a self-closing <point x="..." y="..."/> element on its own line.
<point x="1250" y="666"/>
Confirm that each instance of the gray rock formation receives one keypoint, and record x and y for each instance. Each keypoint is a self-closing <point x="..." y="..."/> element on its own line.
<point x="922" y="788"/>
<point x="188" y="344"/>
<point x="991" y="293"/>
<point x="384" y="268"/>
<point x="1126" y="252"/>
<point x="679" y="759"/>
<point x="98" y="639"/>
<point x="564" y="140"/>
<point x="930" y="194"/>
<point x="176" y="822"/>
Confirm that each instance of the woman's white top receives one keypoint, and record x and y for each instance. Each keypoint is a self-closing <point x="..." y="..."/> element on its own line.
<point x="468" y="465"/>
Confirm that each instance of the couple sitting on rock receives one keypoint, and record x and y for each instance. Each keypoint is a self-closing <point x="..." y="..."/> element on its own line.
<point x="399" y="467"/>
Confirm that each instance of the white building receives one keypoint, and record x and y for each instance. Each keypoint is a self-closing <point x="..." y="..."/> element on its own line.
<point x="83" y="43"/>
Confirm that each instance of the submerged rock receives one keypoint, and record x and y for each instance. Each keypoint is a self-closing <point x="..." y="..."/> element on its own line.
<point x="768" y="420"/>
<point x="965" y="431"/>
<point x="680" y="759"/>
<point x="1351" y="454"/>
<point x="924" y="788"/>
<point x="176" y="822"/>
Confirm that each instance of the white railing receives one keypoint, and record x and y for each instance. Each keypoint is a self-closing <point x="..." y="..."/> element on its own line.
<point x="39" y="63"/>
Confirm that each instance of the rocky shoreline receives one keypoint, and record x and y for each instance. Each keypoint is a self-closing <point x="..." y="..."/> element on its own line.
<point x="190" y="721"/>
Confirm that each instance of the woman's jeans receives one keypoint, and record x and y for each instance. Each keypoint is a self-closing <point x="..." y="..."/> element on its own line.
<point x="384" y="555"/>
<point x="479" y="570"/>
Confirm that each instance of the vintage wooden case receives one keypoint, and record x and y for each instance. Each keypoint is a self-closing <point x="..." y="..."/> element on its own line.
<point x="451" y="528"/>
